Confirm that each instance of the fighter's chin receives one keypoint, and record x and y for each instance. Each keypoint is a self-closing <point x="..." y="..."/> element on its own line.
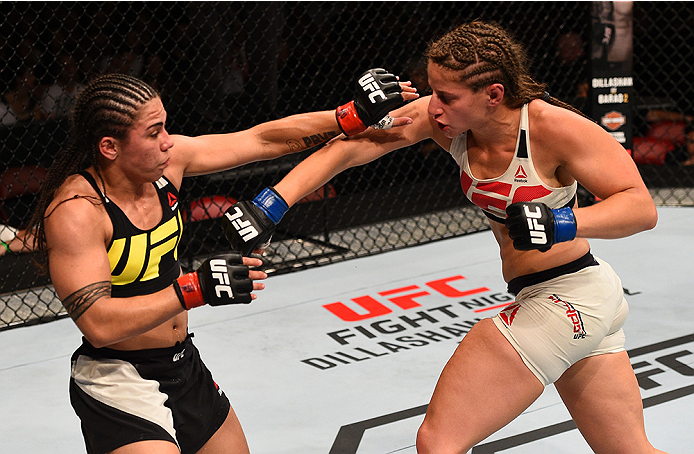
<point x="449" y="132"/>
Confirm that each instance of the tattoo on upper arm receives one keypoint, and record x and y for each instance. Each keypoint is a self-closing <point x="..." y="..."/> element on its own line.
<point x="317" y="139"/>
<point x="81" y="300"/>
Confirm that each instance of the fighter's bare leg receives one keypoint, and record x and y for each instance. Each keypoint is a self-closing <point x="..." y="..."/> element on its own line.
<point x="484" y="386"/>
<point x="148" y="447"/>
<point x="229" y="438"/>
<point x="603" y="397"/>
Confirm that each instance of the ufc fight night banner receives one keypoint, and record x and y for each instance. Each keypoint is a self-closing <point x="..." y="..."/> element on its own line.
<point x="611" y="67"/>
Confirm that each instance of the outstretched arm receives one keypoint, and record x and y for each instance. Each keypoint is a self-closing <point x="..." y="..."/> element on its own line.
<point x="218" y="152"/>
<point x="252" y="223"/>
<point x="343" y="153"/>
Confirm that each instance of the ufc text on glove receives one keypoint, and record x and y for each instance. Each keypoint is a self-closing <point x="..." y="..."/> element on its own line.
<point x="533" y="225"/>
<point x="220" y="280"/>
<point x="251" y="224"/>
<point x="378" y="92"/>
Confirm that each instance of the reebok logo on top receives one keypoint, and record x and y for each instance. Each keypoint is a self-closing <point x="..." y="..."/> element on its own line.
<point x="521" y="176"/>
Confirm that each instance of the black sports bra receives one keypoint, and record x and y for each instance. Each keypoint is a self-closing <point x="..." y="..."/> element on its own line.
<point x="143" y="261"/>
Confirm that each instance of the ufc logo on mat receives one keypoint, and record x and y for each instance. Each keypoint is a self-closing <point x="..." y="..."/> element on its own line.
<point x="537" y="231"/>
<point x="244" y="228"/>
<point x="220" y="274"/>
<point x="368" y="83"/>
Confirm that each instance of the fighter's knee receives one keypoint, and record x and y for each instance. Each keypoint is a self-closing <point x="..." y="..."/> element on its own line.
<point x="430" y="441"/>
<point x="424" y="439"/>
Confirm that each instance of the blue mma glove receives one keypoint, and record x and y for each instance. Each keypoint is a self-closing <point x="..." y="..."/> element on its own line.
<point x="534" y="225"/>
<point x="251" y="224"/>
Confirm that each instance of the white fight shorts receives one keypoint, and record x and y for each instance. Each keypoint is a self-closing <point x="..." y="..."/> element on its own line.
<point x="563" y="315"/>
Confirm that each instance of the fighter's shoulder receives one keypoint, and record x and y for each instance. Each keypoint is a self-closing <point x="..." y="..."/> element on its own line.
<point x="417" y="109"/>
<point x="75" y="185"/>
<point x="552" y="123"/>
<point x="76" y="220"/>
<point x="565" y="134"/>
<point x="545" y="116"/>
<point x="184" y="151"/>
<point x="426" y="125"/>
<point x="423" y="126"/>
<point x="75" y="198"/>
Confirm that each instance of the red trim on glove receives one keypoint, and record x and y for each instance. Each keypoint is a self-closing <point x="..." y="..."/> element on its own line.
<point x="189" y="291"/>
<point x="349" y="121"/>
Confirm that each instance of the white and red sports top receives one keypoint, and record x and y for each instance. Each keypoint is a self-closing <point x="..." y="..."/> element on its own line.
<point x="520" y="182"/>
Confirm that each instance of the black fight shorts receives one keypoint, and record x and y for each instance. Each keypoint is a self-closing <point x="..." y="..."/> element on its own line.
<point x="122" y="397"/>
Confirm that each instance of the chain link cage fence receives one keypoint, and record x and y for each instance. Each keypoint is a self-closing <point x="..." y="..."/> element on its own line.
<point x="224" y="67"/>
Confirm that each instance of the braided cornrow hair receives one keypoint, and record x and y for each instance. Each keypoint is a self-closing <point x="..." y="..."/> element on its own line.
<point x="485" y="53"/>
<point x="107" y="106"/>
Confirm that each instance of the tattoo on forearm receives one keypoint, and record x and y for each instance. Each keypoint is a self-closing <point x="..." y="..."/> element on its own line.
<point x="77" y="303"/>
<point x="317" y="139"/>
<point x="294" y="145"/>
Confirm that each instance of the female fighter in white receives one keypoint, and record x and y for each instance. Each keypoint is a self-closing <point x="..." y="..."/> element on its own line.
<point x="521" y="154"/>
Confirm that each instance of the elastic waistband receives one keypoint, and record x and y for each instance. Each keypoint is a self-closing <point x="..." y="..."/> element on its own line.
<point x="518" y="283"/>
<point x="136" y="356"/>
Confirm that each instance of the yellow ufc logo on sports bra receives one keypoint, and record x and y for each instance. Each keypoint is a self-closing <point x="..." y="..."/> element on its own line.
<point x="146" y="250"/>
